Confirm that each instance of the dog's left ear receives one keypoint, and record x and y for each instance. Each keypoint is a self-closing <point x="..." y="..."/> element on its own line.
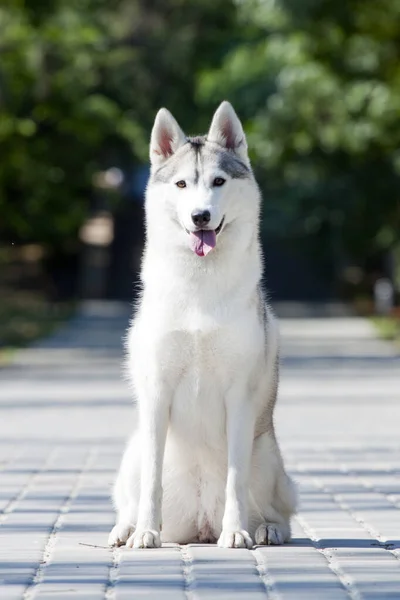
<point x="227" y="131"/>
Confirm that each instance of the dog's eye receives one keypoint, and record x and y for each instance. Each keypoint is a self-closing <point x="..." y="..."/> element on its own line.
<point x="218" y="181"/>
<point x="181" y="184"/>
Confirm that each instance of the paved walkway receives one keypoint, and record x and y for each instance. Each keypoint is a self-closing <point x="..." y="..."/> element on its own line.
<point x="64" y="416"/>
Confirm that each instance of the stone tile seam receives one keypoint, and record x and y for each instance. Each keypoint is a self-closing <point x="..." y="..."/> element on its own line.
<point x="13" y="502"/>
<point x="372" y="532"/>
<point x="113" y="572"/>
<point x="344" y="579"/>
<point x="370" y="529"/>
<point x="39" y="574"/>
<point x="187" y="571"/>
<point x="264" y="575"/>
<point x="370" y="486"/>
<point x="291" y="450"/>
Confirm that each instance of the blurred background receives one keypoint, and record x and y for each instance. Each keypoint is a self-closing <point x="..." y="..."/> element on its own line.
<point x="316" y="84"/>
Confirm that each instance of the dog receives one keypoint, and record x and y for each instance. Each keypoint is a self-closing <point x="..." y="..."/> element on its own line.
<point x="203" y="464"/>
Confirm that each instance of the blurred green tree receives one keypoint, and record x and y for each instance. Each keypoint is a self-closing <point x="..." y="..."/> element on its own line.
<point x="80" y="81"/>
<point x="318" y="83"/>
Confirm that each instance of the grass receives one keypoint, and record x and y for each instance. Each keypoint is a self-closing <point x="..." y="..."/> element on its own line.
<point x="388" y="328"/>
<point x="26" y="317"/>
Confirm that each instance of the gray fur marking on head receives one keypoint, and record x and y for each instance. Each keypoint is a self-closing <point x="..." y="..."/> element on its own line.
<point x="167" y="171"/>
<point x="232" y="165"/>
<point x="226" y="160"/>
<point x="197" y="141"/>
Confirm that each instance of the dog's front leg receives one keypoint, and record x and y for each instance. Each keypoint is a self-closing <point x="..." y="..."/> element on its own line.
<point x="240" y="433"/>
<point x="154" y="409"/>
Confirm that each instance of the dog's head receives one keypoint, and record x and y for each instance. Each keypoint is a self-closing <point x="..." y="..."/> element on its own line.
<point x="203" y="184"/>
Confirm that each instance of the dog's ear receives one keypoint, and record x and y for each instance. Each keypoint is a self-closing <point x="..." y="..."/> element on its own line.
<point x="166" y="137"/>
<point x="227" y="131"/>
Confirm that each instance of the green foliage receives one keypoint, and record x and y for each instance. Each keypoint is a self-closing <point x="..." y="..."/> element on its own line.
<point x="80" y="81"/>
<point x="388" y="328"/>
<point x="27" y="317"/>
<point x="318" y="82"/>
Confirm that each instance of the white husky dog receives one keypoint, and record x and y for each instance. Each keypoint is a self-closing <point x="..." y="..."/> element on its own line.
<point x="203" y="463"/>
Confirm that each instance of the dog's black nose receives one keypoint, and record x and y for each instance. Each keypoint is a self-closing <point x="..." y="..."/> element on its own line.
<point x="201" y="217"/>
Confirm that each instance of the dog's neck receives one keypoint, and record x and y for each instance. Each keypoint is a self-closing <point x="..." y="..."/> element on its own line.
<point x="223" y="274"/>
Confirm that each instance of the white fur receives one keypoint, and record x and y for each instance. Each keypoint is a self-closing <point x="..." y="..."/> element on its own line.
<point x="202" y="366"/>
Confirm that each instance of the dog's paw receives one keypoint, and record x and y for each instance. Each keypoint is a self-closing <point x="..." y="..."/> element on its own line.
<point x="270" y="534"/>
<point x="120" y="533"/>
<point x="144" y="539"/>
<point x="235" y="539"/>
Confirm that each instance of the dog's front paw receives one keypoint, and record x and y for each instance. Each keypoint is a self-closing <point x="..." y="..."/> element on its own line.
<point x="120" y="533"/>
<point x="144" y="539"/>
<point x="235" y="539"/>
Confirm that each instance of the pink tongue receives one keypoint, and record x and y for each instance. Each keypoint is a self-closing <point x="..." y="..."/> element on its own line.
<point x="202" y="242"/>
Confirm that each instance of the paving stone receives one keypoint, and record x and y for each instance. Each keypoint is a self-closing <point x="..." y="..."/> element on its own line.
<point x="65" y="414"/>
<point x="156" y="573"/>
<point x="215" y="572"/>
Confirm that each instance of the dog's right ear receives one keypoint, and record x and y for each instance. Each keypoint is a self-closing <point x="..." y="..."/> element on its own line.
<point x="227" y="131"/>
<point x="166" y="137"/>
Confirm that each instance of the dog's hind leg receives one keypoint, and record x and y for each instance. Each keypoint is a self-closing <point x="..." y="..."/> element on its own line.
<point x="125" y="496"/>
<point x="272" y="534"/>
<point x="276" y="531"/>
<point x="121" y="531"/>
<point x="125" y="525"/>
<point x="273" y="494"/>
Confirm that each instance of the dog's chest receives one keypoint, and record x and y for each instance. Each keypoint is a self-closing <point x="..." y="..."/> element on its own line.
<point x="197" y="411"/>
<point x="210" y="363"/>
<point x="200" y="355"/>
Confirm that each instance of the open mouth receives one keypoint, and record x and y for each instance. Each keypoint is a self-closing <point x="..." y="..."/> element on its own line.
<point x="204" y="240"/>
<point x="220" y="226"/>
